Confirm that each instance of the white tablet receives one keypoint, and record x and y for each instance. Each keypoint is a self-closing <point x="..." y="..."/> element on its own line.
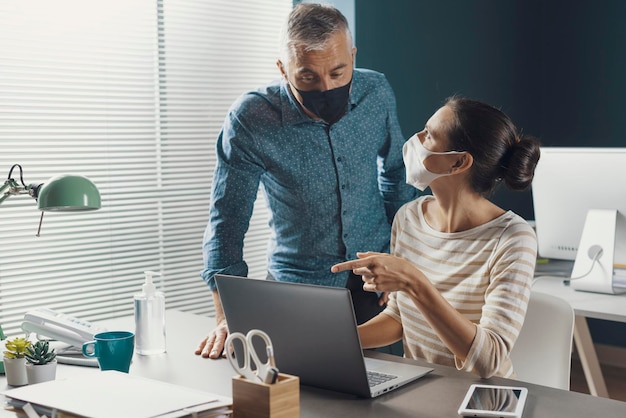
<point x="494" y="401"/>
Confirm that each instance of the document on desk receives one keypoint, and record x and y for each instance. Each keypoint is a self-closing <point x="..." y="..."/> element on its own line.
<point x="619" y="275"/>
<point x="114" y="394"/>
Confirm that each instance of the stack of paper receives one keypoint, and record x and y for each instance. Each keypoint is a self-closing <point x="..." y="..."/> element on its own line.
<point x="115" y="394"/>
<point x="619" y="276"/>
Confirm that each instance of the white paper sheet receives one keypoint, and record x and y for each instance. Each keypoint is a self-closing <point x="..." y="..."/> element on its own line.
<point x="116" y="394"/>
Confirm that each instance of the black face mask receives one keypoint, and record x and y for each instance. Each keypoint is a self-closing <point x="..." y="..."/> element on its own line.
<point x="328" y="105"/>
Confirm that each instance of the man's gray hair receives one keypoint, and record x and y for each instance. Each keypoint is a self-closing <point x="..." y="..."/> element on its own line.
<point x="310" y="26"/>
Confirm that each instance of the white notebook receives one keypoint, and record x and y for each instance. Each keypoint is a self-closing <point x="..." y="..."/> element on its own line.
<point x="115" y="394"/>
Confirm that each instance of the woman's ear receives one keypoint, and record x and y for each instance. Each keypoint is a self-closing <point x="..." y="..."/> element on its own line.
<point x="463" y="163"/>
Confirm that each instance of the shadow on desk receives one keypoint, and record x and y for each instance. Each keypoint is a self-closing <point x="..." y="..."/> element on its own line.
<point x="400" y="402"/>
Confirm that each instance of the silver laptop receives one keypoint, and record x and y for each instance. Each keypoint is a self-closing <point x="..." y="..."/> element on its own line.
<point x="314" y="333"/>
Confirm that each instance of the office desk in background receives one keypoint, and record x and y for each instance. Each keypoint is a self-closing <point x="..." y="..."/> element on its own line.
<point x="435" y="395"/>
<point x="585" y="305"/>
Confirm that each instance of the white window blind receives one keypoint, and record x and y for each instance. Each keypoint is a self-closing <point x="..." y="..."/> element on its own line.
<point x="131" y="94"/>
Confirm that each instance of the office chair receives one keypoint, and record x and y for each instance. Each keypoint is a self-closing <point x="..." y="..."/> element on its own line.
<point x="543" y="351"/>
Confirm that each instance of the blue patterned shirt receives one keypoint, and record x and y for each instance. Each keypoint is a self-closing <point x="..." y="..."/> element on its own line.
<point x="332" y="190"/>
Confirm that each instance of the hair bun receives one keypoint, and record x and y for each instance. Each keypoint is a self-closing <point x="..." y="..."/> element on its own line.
<point x="523" y="156"/>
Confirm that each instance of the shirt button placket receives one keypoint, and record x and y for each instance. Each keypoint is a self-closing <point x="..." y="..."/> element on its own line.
<point x="343" y="186"/>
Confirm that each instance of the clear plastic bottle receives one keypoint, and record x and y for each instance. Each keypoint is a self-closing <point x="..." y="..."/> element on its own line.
<point x="149" y="318"/>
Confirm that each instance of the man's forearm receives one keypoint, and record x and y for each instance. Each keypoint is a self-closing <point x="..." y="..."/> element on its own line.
<point x="219" y="311"/>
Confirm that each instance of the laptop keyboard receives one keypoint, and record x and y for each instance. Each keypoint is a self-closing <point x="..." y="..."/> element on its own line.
<point x="376" y="378"/>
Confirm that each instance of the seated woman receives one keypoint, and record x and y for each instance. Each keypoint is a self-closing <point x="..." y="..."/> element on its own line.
<point x="460" y="268"/>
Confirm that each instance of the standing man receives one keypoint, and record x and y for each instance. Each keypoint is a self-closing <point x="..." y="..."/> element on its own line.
<point x="325" y="143"/>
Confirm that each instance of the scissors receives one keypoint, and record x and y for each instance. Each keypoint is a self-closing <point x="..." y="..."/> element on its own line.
<point x="265" y="372"/>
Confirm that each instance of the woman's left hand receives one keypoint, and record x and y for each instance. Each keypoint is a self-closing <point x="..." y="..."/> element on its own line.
<point x="380" y="272"/>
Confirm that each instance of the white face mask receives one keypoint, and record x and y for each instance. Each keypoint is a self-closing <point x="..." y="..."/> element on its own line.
<point x="414" y="154"/>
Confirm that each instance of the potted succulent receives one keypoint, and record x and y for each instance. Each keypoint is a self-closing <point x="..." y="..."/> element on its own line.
<point x="15" y="361"/>
<point x="41" y="364"/>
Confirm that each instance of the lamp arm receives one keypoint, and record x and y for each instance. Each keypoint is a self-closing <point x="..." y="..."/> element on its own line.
<point x="11" y="188"/>
<point x="4" y="195"/>
<point x="8" y="189"/>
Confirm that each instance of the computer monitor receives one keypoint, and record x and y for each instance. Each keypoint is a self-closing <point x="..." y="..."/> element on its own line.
<point x="568" y="184"/>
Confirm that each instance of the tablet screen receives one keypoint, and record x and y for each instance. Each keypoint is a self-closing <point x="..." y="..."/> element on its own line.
<point x="494" y="401"/>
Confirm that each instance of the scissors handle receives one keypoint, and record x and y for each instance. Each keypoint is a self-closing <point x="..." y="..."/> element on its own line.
<point x="244" y="369"/>
<point x="265" y="372"/>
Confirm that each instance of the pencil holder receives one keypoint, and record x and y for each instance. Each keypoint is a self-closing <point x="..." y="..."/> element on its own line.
<point x="257" y="399"/>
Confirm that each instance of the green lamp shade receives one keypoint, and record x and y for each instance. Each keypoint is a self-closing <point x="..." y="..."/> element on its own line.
<point x="68" y="193"/>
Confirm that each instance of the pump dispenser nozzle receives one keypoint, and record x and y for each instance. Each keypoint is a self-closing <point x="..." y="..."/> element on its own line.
<point x="148" y="287"/>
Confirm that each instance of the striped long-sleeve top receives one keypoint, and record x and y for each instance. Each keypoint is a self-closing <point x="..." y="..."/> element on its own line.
<point x="484" y="272"/>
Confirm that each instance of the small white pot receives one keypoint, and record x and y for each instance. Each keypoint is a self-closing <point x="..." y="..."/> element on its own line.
<point x="38" y="373"/>
<point x="15" y="370"/>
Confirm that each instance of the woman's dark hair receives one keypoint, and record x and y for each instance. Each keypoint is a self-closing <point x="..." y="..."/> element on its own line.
<point x="500" y="153"/>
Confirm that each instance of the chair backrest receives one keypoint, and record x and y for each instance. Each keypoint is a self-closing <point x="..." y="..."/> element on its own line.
<point x="543" y="351"/>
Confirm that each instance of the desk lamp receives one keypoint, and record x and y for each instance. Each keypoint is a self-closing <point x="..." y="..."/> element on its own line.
<point x="64" y="193"/>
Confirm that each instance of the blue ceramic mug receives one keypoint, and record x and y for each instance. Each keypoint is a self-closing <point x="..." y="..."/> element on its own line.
<point x="113" y="349"/>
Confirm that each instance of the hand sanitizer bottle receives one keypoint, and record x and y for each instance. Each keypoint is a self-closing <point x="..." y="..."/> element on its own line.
<point x="149" y="318"/>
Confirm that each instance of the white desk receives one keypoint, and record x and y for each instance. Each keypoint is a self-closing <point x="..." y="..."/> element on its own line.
<point x="585" y="305"/>
<point x="436" y="395"/>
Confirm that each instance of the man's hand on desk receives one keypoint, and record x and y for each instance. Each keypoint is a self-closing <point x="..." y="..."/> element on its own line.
<point x="213" y="345"/>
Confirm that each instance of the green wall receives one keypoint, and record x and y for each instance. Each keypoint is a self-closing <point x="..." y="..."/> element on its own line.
<point x="583" y="73"/>
<point x="556" y="67"/>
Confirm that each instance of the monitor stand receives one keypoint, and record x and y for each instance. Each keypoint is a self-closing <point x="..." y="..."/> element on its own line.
<point x="599" y="234"/>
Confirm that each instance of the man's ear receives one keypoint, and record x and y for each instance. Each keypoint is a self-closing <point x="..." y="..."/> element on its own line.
<point x="281" y="68"/>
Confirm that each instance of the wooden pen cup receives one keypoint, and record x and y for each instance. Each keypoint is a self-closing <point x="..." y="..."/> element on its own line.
<point x="256" y="399"/>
